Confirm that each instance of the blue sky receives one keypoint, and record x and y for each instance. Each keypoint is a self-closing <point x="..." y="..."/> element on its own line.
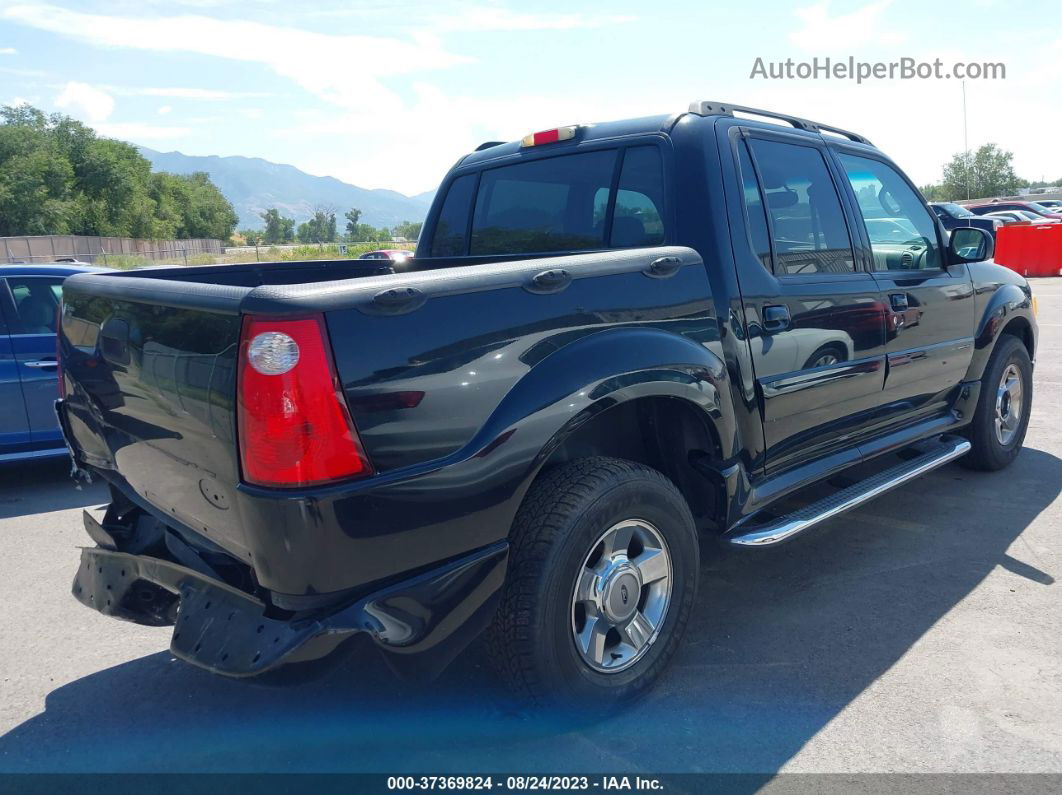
<point x="389" y="94"/>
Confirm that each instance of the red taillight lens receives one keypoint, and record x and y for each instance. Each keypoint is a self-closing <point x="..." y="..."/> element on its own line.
<point x="294" y="426"/>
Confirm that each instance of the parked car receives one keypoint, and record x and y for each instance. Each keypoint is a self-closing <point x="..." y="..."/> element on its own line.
<point x="1054" y="205"/>
<point x="1009" y="217"/>
<point x="527" y="432"/>
<point x="392" y="254"/>
<point x="954" y="216"/>
<point x="29" y="297"/>
<point x="1032" y="207"/>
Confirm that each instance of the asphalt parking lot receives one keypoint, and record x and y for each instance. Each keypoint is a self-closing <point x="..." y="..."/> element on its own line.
<point x="921" y="633"/>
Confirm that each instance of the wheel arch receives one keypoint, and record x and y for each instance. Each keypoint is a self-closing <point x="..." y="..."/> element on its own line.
<point x="1009" y="311"/>
<point x="668" y="433"/>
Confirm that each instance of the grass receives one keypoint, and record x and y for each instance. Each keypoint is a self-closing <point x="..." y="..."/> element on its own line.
<point x="264" y="254"/>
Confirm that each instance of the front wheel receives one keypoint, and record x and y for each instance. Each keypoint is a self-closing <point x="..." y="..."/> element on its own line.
<point x="602" y="579"/>
<point x="1002" y="414"/>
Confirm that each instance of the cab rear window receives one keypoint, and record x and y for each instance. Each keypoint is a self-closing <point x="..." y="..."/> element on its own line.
<point x="576" y="202"/>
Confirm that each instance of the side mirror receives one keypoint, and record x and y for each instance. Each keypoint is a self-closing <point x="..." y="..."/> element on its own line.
<point x="970" y="244"/>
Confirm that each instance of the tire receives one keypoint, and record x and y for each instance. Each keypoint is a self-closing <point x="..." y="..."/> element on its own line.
<point x="837" y="352"/>
<point x="1009" y="363"/>
<point x="567" y="517"/>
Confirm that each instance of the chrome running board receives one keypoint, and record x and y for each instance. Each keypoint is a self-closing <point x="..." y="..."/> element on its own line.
<point x="785" y="527"/>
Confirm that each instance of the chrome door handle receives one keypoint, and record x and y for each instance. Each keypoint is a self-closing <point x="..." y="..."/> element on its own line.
<point x="43" y="364"/>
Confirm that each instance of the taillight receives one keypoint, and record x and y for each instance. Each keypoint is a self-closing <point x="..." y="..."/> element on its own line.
<point x="294" y="425"/>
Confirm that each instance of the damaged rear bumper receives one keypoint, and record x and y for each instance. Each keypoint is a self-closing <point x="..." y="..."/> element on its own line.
<point x="429" y="617"/>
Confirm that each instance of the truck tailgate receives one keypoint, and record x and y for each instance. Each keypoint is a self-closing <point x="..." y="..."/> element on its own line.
<point x="150" y="395"/>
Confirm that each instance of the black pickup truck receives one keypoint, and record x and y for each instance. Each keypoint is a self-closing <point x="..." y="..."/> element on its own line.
<point x="614" y="341"/>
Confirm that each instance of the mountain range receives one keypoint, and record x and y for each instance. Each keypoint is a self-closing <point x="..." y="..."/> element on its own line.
<point x="253" y="185"/>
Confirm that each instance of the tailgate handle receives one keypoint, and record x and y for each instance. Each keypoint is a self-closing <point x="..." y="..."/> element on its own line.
<point x="398" y="300"/>
<point x="551" y="281"/>
<point x="663" y="267"/>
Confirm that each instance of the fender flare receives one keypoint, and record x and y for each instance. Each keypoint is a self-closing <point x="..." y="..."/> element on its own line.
<point x="1007" y="303"/>
<point x="571" y="386"/>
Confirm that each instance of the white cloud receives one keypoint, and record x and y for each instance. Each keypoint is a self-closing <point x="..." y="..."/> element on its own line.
<point x="207" y="94"/>
<point x="404" y="160"/>
<point x="32" y="73"/>
<point x="822" y="31"/>
<point x="95" y="106"/>
<point x="87" y="102"/>
<point x="494" y="18"/>
<point x="138" y="132"/>
<point x="164" y="110"/>
<point x="342" y="69"/>
<point x="8" y="51"/>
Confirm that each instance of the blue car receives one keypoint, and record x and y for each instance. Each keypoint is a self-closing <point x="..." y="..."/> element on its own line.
<point x="29" y="300"/>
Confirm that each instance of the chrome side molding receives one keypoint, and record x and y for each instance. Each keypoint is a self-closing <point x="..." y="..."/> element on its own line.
<point x="785" y="527"/>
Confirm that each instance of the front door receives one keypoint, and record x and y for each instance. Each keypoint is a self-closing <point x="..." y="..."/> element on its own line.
<point x="930" y="309"/>
<point x="814" y="319"/>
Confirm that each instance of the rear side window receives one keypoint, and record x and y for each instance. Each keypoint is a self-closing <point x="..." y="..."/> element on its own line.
<point x="806" y="219"/>
<point x="638" y="217"/>
<point x="451" y="230"/>
<point x="759" y="237"/>
<point x="36" y="300"/>
<point x="543" y="205"/>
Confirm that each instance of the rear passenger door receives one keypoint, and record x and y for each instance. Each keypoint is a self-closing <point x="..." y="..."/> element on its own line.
<point x="814" y="319"/>
<point x="31" y="306"/>
<point x="930" y="313"/>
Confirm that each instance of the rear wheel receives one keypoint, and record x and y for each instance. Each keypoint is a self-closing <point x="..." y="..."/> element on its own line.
<point x="1002" y="414"/>
<point x="602" y="579"/>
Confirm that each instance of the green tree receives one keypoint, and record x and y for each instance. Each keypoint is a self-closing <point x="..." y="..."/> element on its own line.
<point x="934" y="193"/>
<point x="410" y="230"/>
<point x="321" y="228"/>
<point x="253" y="237"/>
<point x="58" y="177"/>
<point x="278" y="229"/>
<point x="363" y="233"/>
<point x="982" y="174"/>
<point x="352" y="215"/>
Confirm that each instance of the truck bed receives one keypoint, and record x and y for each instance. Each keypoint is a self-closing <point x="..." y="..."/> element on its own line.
<point x="428" y="361"/>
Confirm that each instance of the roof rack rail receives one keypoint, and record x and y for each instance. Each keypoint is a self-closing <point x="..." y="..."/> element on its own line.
<point x="710" y="108"/>
<point x="489" y="145"/>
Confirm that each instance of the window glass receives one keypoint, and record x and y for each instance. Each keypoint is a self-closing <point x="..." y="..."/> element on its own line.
<point x="450" y="238"/>
<point x="543" y="205"/>
<point x="36" y="301"/>
<point x="810" y="234"/>
<point x="903" y="235"/>
<point x="638" y="217"/>
<point x="758" y="235"/>
<point x="954" y="210"/>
